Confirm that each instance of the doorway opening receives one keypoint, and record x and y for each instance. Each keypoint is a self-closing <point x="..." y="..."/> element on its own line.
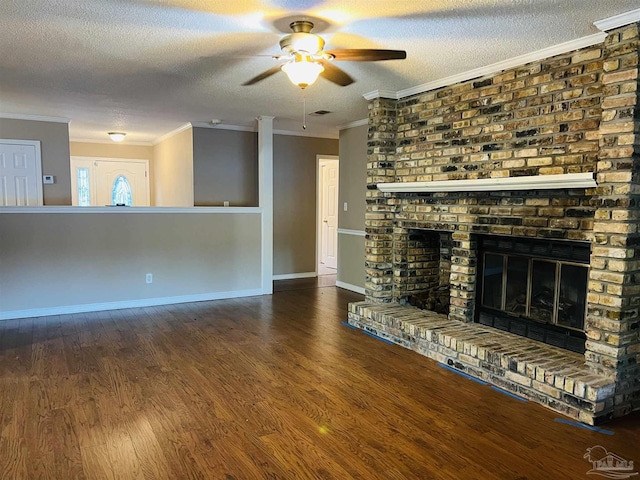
<point x="327" y="217"/>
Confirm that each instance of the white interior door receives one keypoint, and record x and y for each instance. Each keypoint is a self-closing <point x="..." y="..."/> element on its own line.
<point x="107" y="181"/>
<point x="329" y="213"/>
<point x="20" y="174"/>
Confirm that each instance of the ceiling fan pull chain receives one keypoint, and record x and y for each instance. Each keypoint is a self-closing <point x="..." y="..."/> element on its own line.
<point x="304" y="111"/>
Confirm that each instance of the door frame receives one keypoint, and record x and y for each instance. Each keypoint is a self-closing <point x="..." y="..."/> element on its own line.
<point x="36" y="144"/>
<point x="319" y="158"/>
<point x="114" y="159"/>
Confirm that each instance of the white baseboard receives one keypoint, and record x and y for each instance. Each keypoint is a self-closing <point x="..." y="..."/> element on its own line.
<point x="348" y="286"/>
<point x="144" y="302"/>
<point x="290" y="276"/>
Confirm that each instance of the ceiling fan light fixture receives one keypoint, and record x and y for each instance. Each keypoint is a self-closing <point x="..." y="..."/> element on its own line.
<point x="117" y="136"/>
<point x="307" y="42"/>
<point x="302" y="72"/>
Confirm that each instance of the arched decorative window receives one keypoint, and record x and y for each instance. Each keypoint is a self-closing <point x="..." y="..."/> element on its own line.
<point x="121" y="192"/>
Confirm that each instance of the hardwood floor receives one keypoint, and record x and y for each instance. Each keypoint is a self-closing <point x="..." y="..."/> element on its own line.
<point x="267" y="387"/>
<point x="304" y="283"/>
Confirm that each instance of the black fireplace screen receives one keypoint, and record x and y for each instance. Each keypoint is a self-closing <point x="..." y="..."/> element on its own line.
<point x="536" y="293"/>
<point x="546" y="291"/>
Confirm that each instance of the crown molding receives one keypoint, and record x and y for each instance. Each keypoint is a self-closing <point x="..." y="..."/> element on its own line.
<point x="110" y="142"/>
<point x="170" y="134"/>
<point x="356" y="123"/>
<point x="223" y="126"/>
<point x="518" y="61"/>
<point x="381" y="94"/>
<point x="616" y="21"/>
<point x="35" y="118"/>
<point x="490" y="69"/>
<point x="565" y="47"/>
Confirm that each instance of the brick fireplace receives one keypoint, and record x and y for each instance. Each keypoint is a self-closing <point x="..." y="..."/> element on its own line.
<point x="475" y="162"/>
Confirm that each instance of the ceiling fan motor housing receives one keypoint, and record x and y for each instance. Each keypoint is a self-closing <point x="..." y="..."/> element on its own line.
<point x="301" y="40"/>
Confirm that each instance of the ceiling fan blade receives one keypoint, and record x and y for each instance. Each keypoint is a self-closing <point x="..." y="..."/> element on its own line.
<point x="263" y="75"/>
<point x="367" y="54"/>
<point x="335" y="74"/>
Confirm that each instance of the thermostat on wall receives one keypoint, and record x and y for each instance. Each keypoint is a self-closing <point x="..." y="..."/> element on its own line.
<point x="48" y="179"/>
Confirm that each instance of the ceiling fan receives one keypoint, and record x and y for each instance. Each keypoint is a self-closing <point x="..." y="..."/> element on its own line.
<point x="306" y="59"/>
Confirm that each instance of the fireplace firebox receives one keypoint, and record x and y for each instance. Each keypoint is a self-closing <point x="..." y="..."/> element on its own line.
<point x="534" y="288"/>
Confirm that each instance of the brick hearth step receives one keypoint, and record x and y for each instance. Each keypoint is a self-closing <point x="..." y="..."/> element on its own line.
<point x="551" y="376"/>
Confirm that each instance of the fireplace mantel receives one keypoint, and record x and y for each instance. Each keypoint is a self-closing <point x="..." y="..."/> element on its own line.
<point x="533" y="182"/>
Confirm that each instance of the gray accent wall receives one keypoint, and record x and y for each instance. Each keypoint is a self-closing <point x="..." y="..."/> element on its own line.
<point x="294" y="198"/>
<point x="225" y="167"/>
<point x="351" y="260"/>
<point x="54" y="147"/>
<point x="353" y="177"/>
<point x="353" y="188"/>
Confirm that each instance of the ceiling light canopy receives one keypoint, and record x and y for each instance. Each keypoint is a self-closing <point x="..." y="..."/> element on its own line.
<point x="302" y="72"/>
<point x="117" y="136"/>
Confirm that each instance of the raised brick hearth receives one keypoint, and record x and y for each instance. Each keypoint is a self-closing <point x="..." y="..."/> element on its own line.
<point x="575" y="113"/>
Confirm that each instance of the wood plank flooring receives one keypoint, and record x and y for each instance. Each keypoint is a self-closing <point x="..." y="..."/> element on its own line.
<point x="272" y="387"/>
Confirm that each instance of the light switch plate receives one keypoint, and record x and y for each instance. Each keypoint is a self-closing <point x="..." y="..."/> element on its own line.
<point x="345" y="206"/>
<point x="48" y="179"/>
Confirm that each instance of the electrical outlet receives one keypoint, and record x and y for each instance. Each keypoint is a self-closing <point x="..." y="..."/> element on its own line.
<point x="226" y="203"/>
<point x="149" y="277"/>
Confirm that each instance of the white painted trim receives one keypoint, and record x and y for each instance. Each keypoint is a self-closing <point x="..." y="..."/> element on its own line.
<point x="381" y="94"/>
<point x="291" y="276"/>
<point x="172" y="133"/>
<point x="145" y="302"/>
<point x="224" y="126"/>
<point x="110" y="142"/>
<point x="35" y="144"/>
<point x="318" y="200"/>
<point x="351" y="287"/>
<point x="356" y="123"/>
<point x="493" y="68"/>
<point x="265" y="200"/>
<point x="616" y="21"/>
<point x="518" y="61"/>
<point x="346" y="231"/>
<point x="35" y="118"/>
<point x="533" y="182"/>
<point x="154" y="210"/>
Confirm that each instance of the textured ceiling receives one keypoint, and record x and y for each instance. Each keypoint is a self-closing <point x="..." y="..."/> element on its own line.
<point x="147" y="67"/>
